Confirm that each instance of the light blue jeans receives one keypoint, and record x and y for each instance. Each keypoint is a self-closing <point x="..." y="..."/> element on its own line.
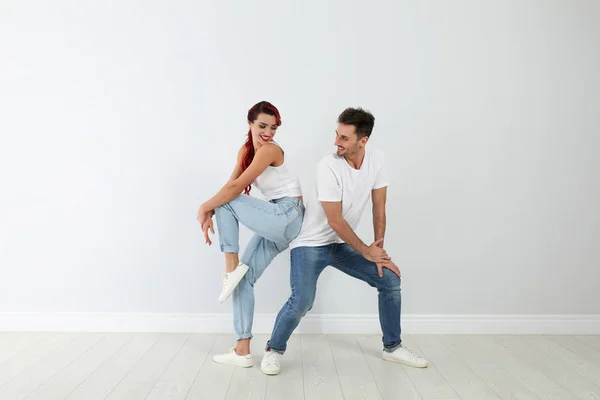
<point x="275" y="224"/>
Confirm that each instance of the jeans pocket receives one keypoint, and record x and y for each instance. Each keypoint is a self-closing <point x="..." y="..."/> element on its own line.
<point x="292" y="229"/>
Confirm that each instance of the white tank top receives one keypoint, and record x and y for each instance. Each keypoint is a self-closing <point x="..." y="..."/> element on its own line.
<point x="277" y="182"/>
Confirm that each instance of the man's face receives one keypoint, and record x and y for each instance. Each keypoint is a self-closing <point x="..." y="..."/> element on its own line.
<point x="347" y="142"/>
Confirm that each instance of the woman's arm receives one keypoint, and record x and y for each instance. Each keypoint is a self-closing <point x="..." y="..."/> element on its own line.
<point x="237" y="170"/>
<point x="265" y="156"/>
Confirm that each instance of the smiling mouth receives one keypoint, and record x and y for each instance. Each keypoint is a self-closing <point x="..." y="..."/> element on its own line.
<point x="265" y="138"/>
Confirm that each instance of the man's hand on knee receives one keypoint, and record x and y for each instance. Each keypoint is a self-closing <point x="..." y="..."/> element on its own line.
<point x="376" y="253"/>
<point x="389" y="265"/>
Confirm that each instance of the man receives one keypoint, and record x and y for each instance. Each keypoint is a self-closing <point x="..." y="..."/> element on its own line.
<point x="344" y="183"/>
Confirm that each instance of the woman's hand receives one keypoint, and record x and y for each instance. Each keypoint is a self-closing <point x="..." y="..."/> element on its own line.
<point x="205" y="220"/>
<point x="203" y="215"/>
<point x="208" y="224"/>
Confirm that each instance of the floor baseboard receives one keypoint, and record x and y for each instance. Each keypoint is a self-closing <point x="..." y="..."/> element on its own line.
<point x="312" y="323"/>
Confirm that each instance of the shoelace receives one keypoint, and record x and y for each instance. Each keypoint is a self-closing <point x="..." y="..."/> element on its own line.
<point x="272" y="359"/>
<point x="410" y="352"/>
<point x="224" y="279"/>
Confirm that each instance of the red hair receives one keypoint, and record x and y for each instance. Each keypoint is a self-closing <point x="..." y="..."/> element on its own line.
<point x="263" y="107"/>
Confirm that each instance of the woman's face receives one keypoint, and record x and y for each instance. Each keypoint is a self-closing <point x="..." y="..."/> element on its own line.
<point x="263" y="129"/>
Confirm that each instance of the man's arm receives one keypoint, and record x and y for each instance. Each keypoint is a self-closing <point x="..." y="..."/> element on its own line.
<point x="329" y="193"/>
<point x="333" y="211"/>
<point x="378" y="197"/>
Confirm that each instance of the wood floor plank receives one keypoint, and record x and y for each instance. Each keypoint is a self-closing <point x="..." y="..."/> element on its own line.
<point x="391" y="378"/>
<point x="430" y="383"/>
<point x="177" y="380"/>
<point x="497" y="378"/>
<point x="355" y="376"/>
<point x="553" y="369"/>
<point x="36" y="375"/>
<point x="462" y="379"/>
<point x="64" y="382"/>
<point x="212" y="380"/>
<point x="533" y="379"/>
<point x="95" y="366"/>
<point x="249" y="383"/>
<point x="138" y="383"/>
<point x="578" y="347"/>
<point x="580" y="364"/>
<point x="320" y="375"/>
<point x="31" y="355"/>
<point x="12" y="343"/>
<point x="289" y="384"/>
<point x="102" y="381"/>
<point x="590" y="340"/>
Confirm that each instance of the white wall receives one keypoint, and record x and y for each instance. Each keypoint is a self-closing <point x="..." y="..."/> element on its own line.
<point x="117" y="119"/>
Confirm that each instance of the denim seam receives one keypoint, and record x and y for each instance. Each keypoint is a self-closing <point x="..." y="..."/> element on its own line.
<point x="264" y="211"/>
<point x="240" y="311"/>
<point x="277" y="322"/>
<point x="285" y="229"/>
<point x="393" y="348"/>
<point x="234" y="248"/>
<point x="251" y="255"/>
<point x="382" y="319"/>
<point x="374" y="284"/>
<point x="244" y="335"/>
<point x="219" y="224"/>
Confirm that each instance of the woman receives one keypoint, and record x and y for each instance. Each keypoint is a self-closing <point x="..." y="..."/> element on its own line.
<point x="275" y="221"/>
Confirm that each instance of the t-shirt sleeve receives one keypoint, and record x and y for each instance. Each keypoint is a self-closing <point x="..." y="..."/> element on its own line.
<point x="328" y="185"/>
<point x="382" y="179"/>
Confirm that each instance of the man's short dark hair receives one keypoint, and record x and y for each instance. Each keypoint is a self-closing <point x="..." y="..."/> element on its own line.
<point x="362" y="120"/>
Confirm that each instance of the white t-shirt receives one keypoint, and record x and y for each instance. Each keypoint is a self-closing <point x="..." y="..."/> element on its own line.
<point x="338" y="181"/>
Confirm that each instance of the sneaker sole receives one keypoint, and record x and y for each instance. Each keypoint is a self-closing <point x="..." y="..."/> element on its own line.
<point x="269" y="373"/>
<point x="233" y="363"/>
<point x="234" y="285"/>
<point x="410" y="364"/>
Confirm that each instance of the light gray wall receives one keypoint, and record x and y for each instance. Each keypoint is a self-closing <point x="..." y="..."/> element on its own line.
<point x="119" y="118"/>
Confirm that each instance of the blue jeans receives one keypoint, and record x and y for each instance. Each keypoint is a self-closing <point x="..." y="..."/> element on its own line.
<point x="307" y="263"/>
<point x="275" y="224"/>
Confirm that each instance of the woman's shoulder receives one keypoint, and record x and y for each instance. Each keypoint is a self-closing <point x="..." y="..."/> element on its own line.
<point x="241" y="151"/>
<point x="272" y="147"/>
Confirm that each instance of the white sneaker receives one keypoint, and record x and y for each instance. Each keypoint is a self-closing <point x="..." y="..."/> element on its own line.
<point x="270" y="363"/>
<point x="232" y="358"/>
<point x="404" y="356"/>
<point x="231" y="280"/>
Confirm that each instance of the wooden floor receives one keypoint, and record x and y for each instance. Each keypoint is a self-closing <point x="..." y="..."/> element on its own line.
<point x="89" y="366"/>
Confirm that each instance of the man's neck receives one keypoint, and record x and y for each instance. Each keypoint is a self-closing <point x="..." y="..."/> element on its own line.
<point x="355" y="161"/>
